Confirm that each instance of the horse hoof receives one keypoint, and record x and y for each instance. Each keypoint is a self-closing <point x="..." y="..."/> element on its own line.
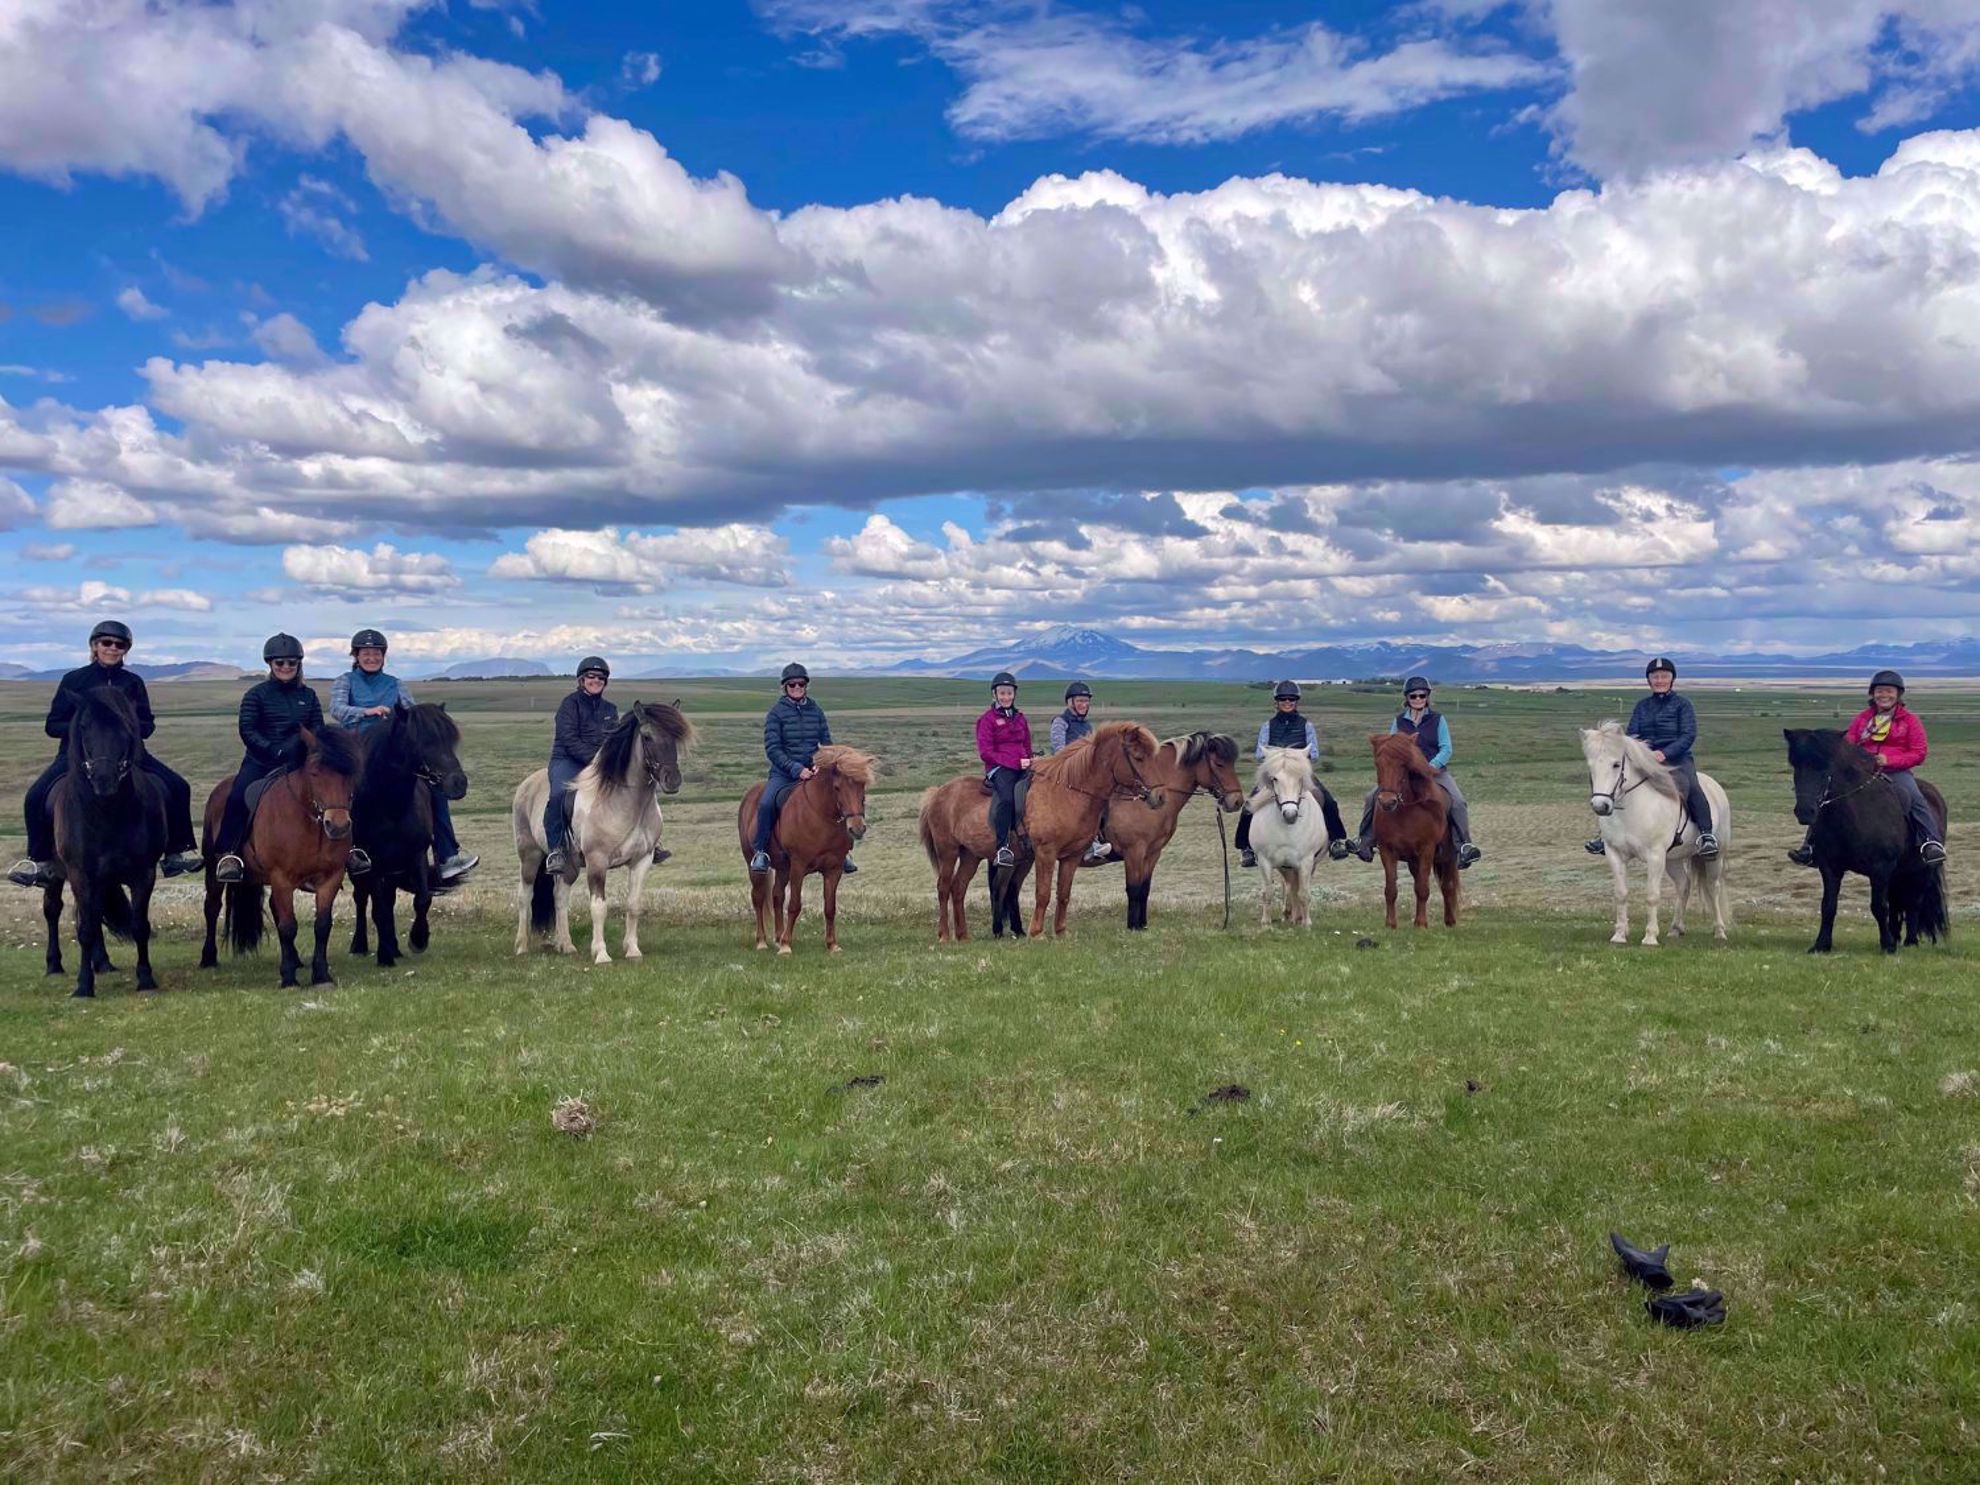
<point x="81" y="994"/>
<point x="1818" y="948"/>
<point x="783" y="948"/>
<point x="833" y="949"/>
<point x="631" y="954"/>
<point x="1651" y="943"/>
<point x="1618" y="938"/>
<point x="601" y="959"/>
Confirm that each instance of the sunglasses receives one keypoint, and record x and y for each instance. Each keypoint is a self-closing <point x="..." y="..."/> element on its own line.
<point x="113" y="644"/>
<point x="797" y="685"/>
<point x="1418" y="695"/>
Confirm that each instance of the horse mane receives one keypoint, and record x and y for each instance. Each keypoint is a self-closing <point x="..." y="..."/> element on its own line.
<point x="114" y="703"/>
<point x="1079" y="768"/>
<point x="860" y="767"/>
<point x="429" y="723"/>
<point x="1275" y="762"/>
<point x="1822" y="747"/>
<point x="615" y="754"/>
<point x="1408" y="754"/>
<point x="337" y="751"/>
<point x="668" y="720"/>
<point x="1637" y="752"/>
<point x="1191" y="749"/>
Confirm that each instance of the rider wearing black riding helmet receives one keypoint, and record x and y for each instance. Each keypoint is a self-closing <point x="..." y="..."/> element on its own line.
<point x="364" y="697"/>
<point x="583" y="719"/>
<point x="1003" y="742"/>
<point x="1069" y="727"/>
<point x="109" y="643"/>
<point x="1666" y="723"/>
<point x="1432" y="732"/>
<point x="1892" y="734"/>
<point x="274" y="715"/>
<point x="1287" y="728"/>
<point x="794" y="729"/>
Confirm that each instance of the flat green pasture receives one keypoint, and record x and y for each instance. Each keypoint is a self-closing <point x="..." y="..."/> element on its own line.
<point x="333" y="1234"/>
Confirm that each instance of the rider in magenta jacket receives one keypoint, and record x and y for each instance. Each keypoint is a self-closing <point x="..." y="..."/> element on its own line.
<point x="1003" y="741"/>
<point x="1904" y="748"/>
<point x="1003" y="738"/>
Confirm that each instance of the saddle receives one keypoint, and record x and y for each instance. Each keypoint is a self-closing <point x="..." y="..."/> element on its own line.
<point x="260" y="787"/>
<point x="1018" y="797"/>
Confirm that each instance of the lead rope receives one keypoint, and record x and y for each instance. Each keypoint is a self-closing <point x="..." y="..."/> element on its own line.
<point x="1225" y="844"/>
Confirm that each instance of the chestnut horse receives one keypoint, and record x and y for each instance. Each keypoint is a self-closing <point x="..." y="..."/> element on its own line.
<point x="1412" y="818"/>
<point x="1183" y="767"/>
<point x="817" y="826"/>
<point x="300" y="838"/>
<point x="1068" y="793"/>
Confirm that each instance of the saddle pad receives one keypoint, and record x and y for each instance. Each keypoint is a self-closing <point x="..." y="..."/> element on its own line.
<point x="260" y="787"/>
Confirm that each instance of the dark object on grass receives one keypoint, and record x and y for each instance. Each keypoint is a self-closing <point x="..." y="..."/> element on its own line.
<point x="1472" y="1085"/>
<point x="866" y="1080"/>
<point x="1366" y="943"/>
<point x="1688" y="1310"/>
<point x="1229" y="1093"/>
<point x="1645" y="1265"/>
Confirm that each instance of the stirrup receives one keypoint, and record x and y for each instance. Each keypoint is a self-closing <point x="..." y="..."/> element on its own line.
<point x="553" y="862"/>
<point x="357" y="863"/>
<point x="32" y="873"/>
<point x="1707" y="848"/>
<point x="1933" y="851"/>
<point x="1595" y="847"/>
<point x="1467" y="854"/>
<point x="179" y="863"/>
<point x="223" y="871"/>
<point x="1004" y="857"/>
<point x="759" y="864"/>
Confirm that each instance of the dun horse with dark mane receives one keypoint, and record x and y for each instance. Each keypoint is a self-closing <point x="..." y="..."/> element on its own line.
<point x="109" y="833"/>
<point x="1412" y="820"/>
<point x="1068" y="793"/>
<point x="818" y="825"/>
<point x="300" y="839"/>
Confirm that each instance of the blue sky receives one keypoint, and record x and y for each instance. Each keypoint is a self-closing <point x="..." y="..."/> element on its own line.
<point x="860" y="330"/>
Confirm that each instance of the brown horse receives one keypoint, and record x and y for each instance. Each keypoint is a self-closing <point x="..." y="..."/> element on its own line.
<point x="1183" y="767"/>
<point x="1412" y="820"/>
<point x="300" y="838"/>
<point x="817" y="826"/>
<point x="1068" y="793"/>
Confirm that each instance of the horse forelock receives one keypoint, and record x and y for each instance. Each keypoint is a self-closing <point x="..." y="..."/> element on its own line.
<point x="1400" y="747"/>
<point x="337" y="751"/>
<point x="114" y="706"/>
<point x="1192" y="748"/>
<point x="1818" y="747"/>
<point x="850" y="763"/>
<point x="430" y="725"/>
<point x="1608" y="737"/>
<point x="668" y="720"/>
<point x="615" y="755"/>
<point x="1278" y="763"/>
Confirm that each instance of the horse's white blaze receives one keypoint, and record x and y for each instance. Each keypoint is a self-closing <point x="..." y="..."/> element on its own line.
<point x="1286" y="841"/>
<point x="1638" y="822"/>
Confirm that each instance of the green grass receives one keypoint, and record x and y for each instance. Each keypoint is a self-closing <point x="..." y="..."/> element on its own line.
<point x="248" y="1234"/>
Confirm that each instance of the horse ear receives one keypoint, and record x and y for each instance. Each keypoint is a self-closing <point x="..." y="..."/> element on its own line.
<point x="1376" y="739"/>
<point x="443" y="706"/>
<point x="676" y="703"/>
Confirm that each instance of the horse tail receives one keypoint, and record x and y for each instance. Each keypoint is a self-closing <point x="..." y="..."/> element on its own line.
<point x="244" y="917"/>
<point x="113" y="907"/>
<point x="1922" y="900"/>
<point x="926" y="823"/>
<point x="542" y="901"/>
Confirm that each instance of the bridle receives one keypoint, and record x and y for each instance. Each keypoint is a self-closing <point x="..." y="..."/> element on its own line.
<point x="1280" y="800"/>
<point x="318" y="811"/>
<point x="1615" y="795"/>
<point x="90" y="766"/>
<point x="1828" y="783"/>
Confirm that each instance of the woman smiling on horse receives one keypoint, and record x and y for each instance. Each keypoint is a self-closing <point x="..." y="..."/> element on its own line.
<point x="363" y="698"/>
<point x="1433" y="735"/>
<point x="1003" y="742"/>
<point x="1891" y="733"/>
<point x="1666" y="723"/>
<point x="583" y="719"/>
<point x="1286" y="728"/>
<point x="794" y="729"/>
<point x="109" y="643"/>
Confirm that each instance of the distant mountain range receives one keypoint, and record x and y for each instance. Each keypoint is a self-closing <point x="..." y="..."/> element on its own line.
<point x="1072" y="653"/>
<point x="500" y="668"/>
<point x="187" y="670"/>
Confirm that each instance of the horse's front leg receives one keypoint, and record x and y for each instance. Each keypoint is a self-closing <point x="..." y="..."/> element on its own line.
<point x="1068" y="869"/>
<point x="635" y="888"/>
<point x="1880" y="909"/>
<point x="384" y="906"/>
<point x="1619" y="876"/>
<point x="1389" y="887"/>
<point x="89" y="936"/>
<point x="1419" y="878"/>
<point x="326" y="902"/>
<point x="596" y="869"/>
<point x="1041" y="896"/>
<point x="959" y="884"/>
<point x="421" y="889"/>
<point x="832" y="909"/>
<point x="209" y="952"/>
<point x="944" y="871"/>
<point x="1302" y="888"/>
<point x="282" y="901"/>
<point x="51" y="913"/>
<point x="792" y="907"/>
<point x="141" y="927"/>
<point x="1825" y="936"/>
<point x="1268" y="885"/>
<point x="361" y="909"/>
<point x="1653" y="888"/>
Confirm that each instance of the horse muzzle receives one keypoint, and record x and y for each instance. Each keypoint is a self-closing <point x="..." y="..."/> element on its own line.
<point x="1804" y="814"/>
<point x="856" y="826"/>
<point x="1154" y="800"/>
<point x="455" y="787"/>
<point x="670" y="782"/>
<point x="1602" y="804"/>
<point x="1231" y="803"/>
<point x="337" y="823"/>
<point x="1289" y="812"/>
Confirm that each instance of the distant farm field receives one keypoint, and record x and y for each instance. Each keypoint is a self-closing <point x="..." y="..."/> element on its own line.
<point x="250" y="1234"/>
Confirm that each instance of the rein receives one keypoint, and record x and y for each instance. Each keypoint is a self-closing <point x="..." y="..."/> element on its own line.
<point x="1615" y="795"/>
<point x="1828" y="782"/>
<point x="315" y="807"/>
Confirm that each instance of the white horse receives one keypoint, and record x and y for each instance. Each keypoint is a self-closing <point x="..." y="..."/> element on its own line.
<point x="615" y="821"/>
<point x="1287" y="831"/>
<point x="1643" y="818"/>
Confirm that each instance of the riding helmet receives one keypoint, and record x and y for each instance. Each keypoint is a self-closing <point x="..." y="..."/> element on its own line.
<point x="282" y="647"/>
<point x="794" y="672"/>
<point x="592" y="662"/>
<point x="111" y="629"/>
<point x="1662" y="662"/>
<point x="367" y="639"/>
<point x="1887" y="678"/>
<point x="1416" y="683"/>
<point x="1003" y="678"/>
<point x="1286" y="691"/>
<point x="1079" y="688"/>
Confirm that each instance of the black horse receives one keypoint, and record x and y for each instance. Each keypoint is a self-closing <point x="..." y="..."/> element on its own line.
<point x="392" y="820"/>
<point x="109" y="833"/>
<point x="1856" y="822"/>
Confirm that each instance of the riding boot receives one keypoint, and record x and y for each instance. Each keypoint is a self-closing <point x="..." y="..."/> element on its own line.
<point x="1595" y="847"/>
<point x="1246" y="858"/>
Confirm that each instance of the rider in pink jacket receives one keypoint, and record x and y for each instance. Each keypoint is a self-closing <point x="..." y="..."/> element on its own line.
<point x="1003" y="742"/>
<point x="1891" y="733"/>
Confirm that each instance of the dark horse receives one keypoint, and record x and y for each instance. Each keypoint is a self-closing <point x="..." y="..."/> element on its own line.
<point x="109" y="833"/>
<point x="300" y="838"/>
<point x="392" y="820"/>
<point x="1412" y="824"/>
<point x="1856" y="822"/>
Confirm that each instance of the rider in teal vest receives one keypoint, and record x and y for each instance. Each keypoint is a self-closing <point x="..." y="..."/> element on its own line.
<point x="1433" y="737"/>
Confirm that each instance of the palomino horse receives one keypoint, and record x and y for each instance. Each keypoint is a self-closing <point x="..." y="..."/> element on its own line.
<point x="615" y="821"/>
<point x="1287" y="831"/>
<point x="1183" y="767"/>
<point x="109" y="833"/>
<point x="1643" y="819"/>
<point x="1412" y="821"/>
<point x="820" y="821"/>
<point x="1068" y="792"/>
<point x="392" y="819"/>
<point x="300" y="838"/>
<point x="1856" y="822"/>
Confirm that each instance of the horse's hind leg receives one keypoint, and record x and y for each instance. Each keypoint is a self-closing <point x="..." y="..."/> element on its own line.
<point x="1680" y="876"/>
<point x="1880" y="909"/>
<point x="759" y="899"/>
<point x="51" y="912"/>
<point x="421" y="933"/>
<point x="561" y="895"/>
<point x="384" y="907"/>
<point x="959" y="883"/>
<point x="141" y="928"/>
<point x="1447" y="880"/>
<point x="1068" y="869"/>
<point x="319" y="960"/>
<point x="361" y="897"/>
<point x="635" y="890"/>
<point x="89" y="940"/>
<point x="832" y="910"/>
<point x="209" y="955"/>
<point x="1653" y="887"/>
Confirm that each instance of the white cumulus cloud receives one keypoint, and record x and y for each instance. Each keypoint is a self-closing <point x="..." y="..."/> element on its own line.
<point x="383" y="569"/>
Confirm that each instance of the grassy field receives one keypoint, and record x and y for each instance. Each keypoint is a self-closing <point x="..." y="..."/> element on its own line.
<point x="258" y="1235"/>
